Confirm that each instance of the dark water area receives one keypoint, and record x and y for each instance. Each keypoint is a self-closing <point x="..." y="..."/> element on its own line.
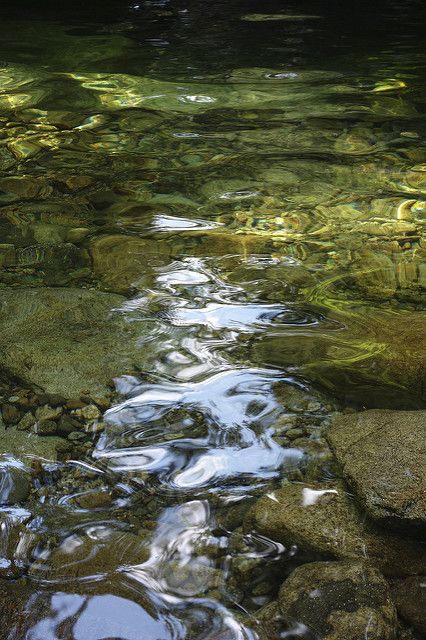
<point x="212" y="244"/>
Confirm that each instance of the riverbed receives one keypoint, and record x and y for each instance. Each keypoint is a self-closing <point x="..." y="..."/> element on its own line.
<point x="212" y="311"/>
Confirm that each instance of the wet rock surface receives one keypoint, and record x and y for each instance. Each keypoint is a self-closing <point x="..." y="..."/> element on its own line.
<point x="14" y="481"/>
<point x="91" y="554"/>
<point x="65" y="340"/>
<point x="410" y="599"/>
<point x="383" y="457"/>
<point x="29" y="445"/>
<point x="339" y="600"/>
<point x="323" y="519"/>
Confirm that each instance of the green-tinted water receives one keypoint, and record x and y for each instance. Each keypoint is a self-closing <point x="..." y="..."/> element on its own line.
<point x="223" y="208"/>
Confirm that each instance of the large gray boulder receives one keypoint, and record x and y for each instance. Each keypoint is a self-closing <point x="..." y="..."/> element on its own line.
<point x="65" y="341"/>
<point x="383" y="456"/>
<point x="339" y="600"/>
<point x="322" y="519"/>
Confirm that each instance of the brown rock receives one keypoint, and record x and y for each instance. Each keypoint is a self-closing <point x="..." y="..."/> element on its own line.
<point x="410" y="599"/>
<point x="383" y="456"/>
<point x="321" y="519"/>
<point x="339" y="600"/>
<point x="10" y="414"/>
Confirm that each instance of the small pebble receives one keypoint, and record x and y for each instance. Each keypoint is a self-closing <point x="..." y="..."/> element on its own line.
<point x="46" y="428"/>
<point x="77" y="436"/>
<point x="48" y="413"/>
<point x="26" y="422"/>
<point x="10" y="414"/>
<point x="89" y="412"/>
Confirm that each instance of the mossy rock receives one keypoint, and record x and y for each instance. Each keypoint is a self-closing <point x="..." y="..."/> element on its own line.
<point x="337" y="600"/>
<point x="383" y="456"/>
<point x="65" y="341"/>
<point x="321" y="519"/>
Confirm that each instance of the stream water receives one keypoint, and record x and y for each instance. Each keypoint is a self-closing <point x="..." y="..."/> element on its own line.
<point x="247" y="181"/>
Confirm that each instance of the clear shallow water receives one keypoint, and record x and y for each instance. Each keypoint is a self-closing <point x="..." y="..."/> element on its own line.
<point x="251" y="177"/>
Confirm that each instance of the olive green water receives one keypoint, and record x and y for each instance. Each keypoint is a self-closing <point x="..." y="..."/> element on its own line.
<point x="223" y="208"/>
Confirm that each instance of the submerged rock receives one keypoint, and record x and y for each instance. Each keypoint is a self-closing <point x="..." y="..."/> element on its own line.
<point x="65" y="340"/>
<point x="383" y="456"/>
<point x="93" y="554"/>
<point x="14" y="481"/>
<point x="410" y="599"/>
<point x="339" y="600"/>
<point x="121" y="261"/>
<point x="321" y="519"/>
<point x="376" y="361"/>
<point x="29" y="445"/>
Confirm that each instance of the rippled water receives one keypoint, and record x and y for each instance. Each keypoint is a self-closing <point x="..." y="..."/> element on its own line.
<point x="251" y="177"/>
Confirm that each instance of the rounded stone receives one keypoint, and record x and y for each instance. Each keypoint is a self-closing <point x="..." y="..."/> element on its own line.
<point x="15" y="481"/>
<point x="383" y="456"/>
<point x="339" y="600"/>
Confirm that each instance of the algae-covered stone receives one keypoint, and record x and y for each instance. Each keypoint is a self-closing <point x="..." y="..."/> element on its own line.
<point x="377" y="360"/>
<point x="7" y="254"/>
<point x="14" y="481"/>
<point x="268" y="621"/>
<point x="339" y="600"/>
<point x="321" y="519"/>
<point x="28" y="446"/>
<point x="120" y="261"/>
<point x="96" y="553"/>
<point x="383" y="456"/>
<point x="65" y="340"/>
<point x="410" y="599"/>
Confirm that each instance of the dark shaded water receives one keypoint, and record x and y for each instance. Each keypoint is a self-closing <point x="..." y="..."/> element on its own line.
<point x="251" y="177"/>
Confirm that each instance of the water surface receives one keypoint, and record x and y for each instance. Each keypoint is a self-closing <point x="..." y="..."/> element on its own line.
<point x="251" y="177"/>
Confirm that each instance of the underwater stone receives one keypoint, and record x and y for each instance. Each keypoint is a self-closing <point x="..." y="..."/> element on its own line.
<point x="46" y="428"/>
<point x="24" y="186"/>
<point x="10" y="414"/>
<point x="7" y="255"/>
<point x="410" y="599"/>
<point x="338" y="600"/>
<point x="383" y="456"/>
<point x="29" y="445"/>
<point x="89" y="412"/>
<point x="67" y="425"/>
<point x="48" y="413"/>
<point x="119" y="261"/>
<point x="14" y="481"/>
<point x="320" y="518"/>
<point x="26" y="422"/>
<point x="84" y="555"/>
<point x="66" y="341"/>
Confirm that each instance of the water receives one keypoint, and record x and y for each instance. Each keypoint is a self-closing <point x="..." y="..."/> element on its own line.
<point x="251" y="177"/>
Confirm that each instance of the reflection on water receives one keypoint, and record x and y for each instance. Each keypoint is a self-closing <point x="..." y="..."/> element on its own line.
<point x="252" y="179"/>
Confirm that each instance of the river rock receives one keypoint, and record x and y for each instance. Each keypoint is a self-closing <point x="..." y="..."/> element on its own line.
<point x="46" y="427"/>
<point x="376" y="361"/>
<point x="120" y="261"/>
<point x="26" y="422"/>
<point x="65" y="340"/>
<point x="29" y="445"/>
<point x="14" y="481"/>
<point x="339" y="600"/>
<point x="383" y="456"/>
<point x="10" y="414"/>
<point x="97" y="553"/>
<point x="410" y="599"/>
<point x="320" y="518"/>
<point x="48" y="413"/>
